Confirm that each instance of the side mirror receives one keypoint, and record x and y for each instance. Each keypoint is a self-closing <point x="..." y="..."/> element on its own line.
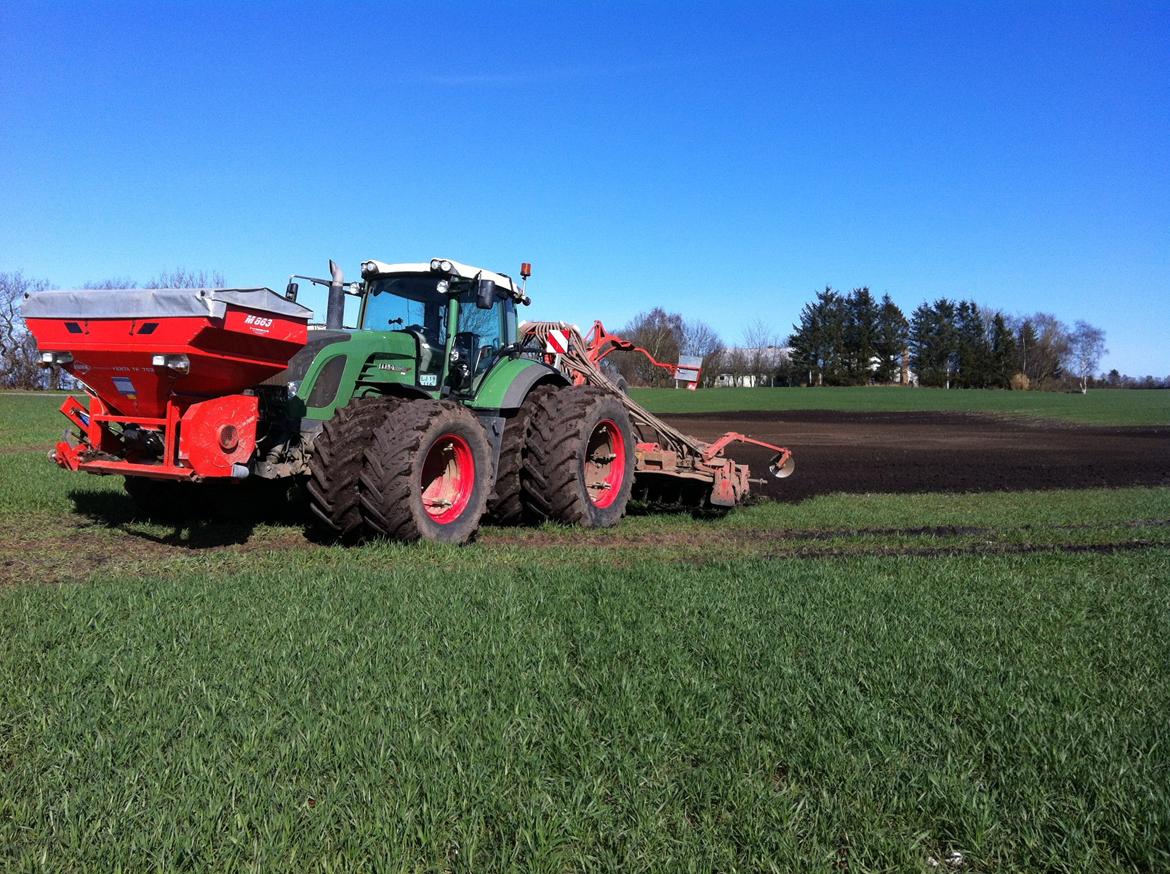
<point x="290" y="291"/>
<point x="485" y="294"/>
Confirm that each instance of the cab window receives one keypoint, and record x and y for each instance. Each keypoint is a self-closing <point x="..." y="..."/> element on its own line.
<point x="480" y="330"/>
<point x="412" y="304"/>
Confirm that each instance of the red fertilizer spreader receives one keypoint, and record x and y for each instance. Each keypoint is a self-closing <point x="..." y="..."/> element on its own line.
<point x="168" y="370"/>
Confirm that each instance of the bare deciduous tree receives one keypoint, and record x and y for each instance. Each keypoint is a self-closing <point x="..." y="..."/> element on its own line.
<point x="1086" y="346"/>
<point x="109" y="284"/>
<point x="661" y="334"/>
<point x="18" y="350"/>
<point x="761" y="347"/>
<point x="701" y="340"/>
<point x="737" y="366"/>
<point x="181" y="277"/>
<point x="1042" y="344"/>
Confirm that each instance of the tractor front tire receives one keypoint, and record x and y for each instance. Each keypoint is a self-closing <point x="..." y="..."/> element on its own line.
<point x="335" y="467"/>
<point x="579" y="469"/>
<point x="427" y="474"/>
<point x="508" y="504"/>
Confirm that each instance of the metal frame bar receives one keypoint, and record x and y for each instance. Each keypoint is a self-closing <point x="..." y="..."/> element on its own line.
<point x="92" y="422"/>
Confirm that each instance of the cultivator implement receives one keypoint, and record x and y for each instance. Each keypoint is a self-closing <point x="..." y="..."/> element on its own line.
<point x="671" y="466"/>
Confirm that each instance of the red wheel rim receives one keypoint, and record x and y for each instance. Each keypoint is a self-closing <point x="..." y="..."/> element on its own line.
<point x="605" y="463"/>
<point x="448" y="478"/>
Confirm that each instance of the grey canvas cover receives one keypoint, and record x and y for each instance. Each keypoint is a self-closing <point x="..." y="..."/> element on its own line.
<point x="154" y="303"/>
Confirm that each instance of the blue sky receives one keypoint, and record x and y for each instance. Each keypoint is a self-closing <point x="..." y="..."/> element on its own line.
<point x="722" y="160"/>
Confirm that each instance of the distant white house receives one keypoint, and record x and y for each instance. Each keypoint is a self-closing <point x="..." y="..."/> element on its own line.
<point x="738" y="360"/>
<point x="901" y="363"/>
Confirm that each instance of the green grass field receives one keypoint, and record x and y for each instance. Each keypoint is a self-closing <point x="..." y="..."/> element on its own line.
<point x="852" y="683"/>
<point x="1098" y="407"/>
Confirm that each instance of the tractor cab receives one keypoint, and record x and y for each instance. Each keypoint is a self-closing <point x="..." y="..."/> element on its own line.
<point x="459" y="317"/>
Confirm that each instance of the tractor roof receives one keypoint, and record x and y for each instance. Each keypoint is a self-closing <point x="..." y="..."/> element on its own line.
<point x="371" y="269"/>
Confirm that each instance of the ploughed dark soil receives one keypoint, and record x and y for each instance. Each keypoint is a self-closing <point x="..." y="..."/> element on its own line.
<point x="936" y="452"/>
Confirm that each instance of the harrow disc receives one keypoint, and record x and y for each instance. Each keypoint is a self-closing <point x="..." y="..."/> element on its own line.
<point x="781" y="467"/>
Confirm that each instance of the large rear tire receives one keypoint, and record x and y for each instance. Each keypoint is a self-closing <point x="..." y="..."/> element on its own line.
<point x="579" y="469"/>
<point x="335" y="467"/>
<point x="427" y="474"/>
<point x="507" y="504"/>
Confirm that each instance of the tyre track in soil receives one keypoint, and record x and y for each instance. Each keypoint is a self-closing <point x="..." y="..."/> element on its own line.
<point x="858" y="453"/>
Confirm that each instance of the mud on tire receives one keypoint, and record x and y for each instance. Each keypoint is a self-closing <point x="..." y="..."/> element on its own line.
<point x="508" y="503"/>
<point x="427" y="474"/>
<point x="580" y="463"/>
<point x="336" y="466"/>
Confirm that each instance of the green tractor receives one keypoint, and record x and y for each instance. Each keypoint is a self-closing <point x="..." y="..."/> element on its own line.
<point x="434" y="411"/>
<point x="438" y="407"/>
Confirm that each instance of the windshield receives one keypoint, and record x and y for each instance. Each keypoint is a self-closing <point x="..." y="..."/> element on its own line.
<point x="408" y="302"/>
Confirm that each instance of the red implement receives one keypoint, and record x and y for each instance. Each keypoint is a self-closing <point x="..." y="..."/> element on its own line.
<point x="667" y="462"/>
<point x="166" y="368"/>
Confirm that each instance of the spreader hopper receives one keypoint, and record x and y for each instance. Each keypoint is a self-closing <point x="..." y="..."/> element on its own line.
<point x="137" y="347"/>
<point x="161" y="360"/>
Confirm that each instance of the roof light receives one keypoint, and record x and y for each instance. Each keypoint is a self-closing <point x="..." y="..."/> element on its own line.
<point x="525" y="270"/>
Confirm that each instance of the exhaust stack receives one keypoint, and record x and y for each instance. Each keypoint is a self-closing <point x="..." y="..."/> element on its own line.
<point x="335" y="307"/>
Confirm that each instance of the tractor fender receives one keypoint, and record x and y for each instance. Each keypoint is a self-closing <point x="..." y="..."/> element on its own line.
<point x="508" y="383"/>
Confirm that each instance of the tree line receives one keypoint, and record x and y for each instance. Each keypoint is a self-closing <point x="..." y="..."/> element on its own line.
<point x="857" y="338"/>
<point x="854" y="339"/>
